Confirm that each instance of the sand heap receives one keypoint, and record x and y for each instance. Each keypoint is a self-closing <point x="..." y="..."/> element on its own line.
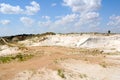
<point x="106" y="43"/>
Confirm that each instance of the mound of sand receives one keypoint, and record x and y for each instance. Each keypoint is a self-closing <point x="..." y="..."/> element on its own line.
<point x="102" y="42"/>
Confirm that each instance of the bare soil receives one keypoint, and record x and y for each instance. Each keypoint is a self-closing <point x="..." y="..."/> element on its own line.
<point x="54" y="57"/>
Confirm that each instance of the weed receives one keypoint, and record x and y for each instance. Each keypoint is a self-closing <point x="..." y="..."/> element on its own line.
<point x="18" y="57"/>
<point x="23" y="57"/>
<point x="5" y="59"/>
<point x="56" y="61"/>
<point x="103" y="64"/>
<point x="86" y="59"/>
<point x="83" y="76"/>
<point x="61" y="73"/>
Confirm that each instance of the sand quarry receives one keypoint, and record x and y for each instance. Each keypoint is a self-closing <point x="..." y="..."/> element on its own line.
<point x="63" y="57"/>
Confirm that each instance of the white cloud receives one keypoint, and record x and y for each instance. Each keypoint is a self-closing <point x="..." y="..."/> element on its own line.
<point x="86" y="11"/>
<point x="73" y="22"/>
<point x="82" y="5"/>
<point x="68" y="19"/>
<point x="84" y="16"/>
<point x="34" y="8"/>
<point x="46" y="17"/>
<point x="63" y="21"/>
<point x="29" y="10"/>
<point x="114" y="21"/>
<point x="4" y="22"/>
<point x="90" y="18"/>
<point x="27" y="21"/>
<point x="53" y="4"/>
<point x="45" y="24"/>
<point x="8" y="9"/>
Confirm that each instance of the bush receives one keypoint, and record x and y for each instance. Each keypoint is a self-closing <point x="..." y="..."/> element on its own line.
<point x="109" y="31"/>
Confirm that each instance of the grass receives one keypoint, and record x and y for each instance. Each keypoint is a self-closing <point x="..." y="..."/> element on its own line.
<point x="61" y="73"/>
<point x="56" y="61"/>
<point x="18" y="57"/>
<point x="5" y="59"/>
<point x="83" y="76"/>
<point x="103" y="64"/>
<point x="23" y="57"/>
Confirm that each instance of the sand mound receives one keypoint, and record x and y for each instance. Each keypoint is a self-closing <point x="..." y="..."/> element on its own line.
<point x="102" y="42"/>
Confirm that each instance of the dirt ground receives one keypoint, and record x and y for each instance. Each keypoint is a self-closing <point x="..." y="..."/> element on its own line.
<point x="93" y="63"/>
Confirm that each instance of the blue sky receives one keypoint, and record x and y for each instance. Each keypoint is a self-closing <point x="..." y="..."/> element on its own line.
<point x="61" y="16"/>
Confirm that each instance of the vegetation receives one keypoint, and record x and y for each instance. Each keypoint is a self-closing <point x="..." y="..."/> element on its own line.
<point x="56" y="61"/>
<point x="103" y="64"/>
<point x="5" y="59"/>
<point x="109" y="31"/>
<point x="83" y="76"/>
<point x="18" y="57"/>
<point x="49" y="33"/>
<point x="61" y="73"/>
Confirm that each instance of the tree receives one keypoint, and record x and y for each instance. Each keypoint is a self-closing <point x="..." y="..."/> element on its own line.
<point x="109" y="31"/>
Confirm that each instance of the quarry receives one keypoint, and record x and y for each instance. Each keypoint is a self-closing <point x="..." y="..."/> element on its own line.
<point x="70" y="56"/>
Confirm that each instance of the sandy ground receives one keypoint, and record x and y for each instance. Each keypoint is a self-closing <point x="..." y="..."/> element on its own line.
<point x="7" y="50"/>
<point x="64" y="57"/>
<point x="63" y="63"/>
<point x="105" y="43"/>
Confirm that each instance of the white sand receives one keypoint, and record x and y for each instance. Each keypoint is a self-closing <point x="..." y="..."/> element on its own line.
<point x="101" y="42"/>
<point x="105" y="43"/>
<point x="72" y="70"/>
<point x="6" y="50"/>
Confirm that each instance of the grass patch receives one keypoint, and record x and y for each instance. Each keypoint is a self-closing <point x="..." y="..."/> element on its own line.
<point x="23" y="57"/>
<point x="61" y="73"/>
<point x="18" y="57"/>
<point x="83" y="76"/>
<point x="103" y="64"/>
<point x="5" y="59"/>
<point x="56" y="61"/>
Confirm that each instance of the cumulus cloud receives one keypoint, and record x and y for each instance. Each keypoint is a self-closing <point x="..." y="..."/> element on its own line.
<point x="27" y="21"/>
<point x="8" y="9"/>
<point x="46" y="17"/>
<point x="53" y="4"/>
<point x="84" y="16"/>
<point x="34" y="8"/>
<point x="86" y="11"/>
<point x="68" y="19"/>
<point x="29" y="10"/>
<point x="114" y="21"/>
<point x="90" y="18"/>
<point x="62" y="21"/>
<point x="45" y="24"/>
<point x="82" y="5"/>
<point x="4" y="22"/>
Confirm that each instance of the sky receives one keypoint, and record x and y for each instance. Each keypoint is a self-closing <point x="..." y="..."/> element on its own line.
<point x="60" y="16"/>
